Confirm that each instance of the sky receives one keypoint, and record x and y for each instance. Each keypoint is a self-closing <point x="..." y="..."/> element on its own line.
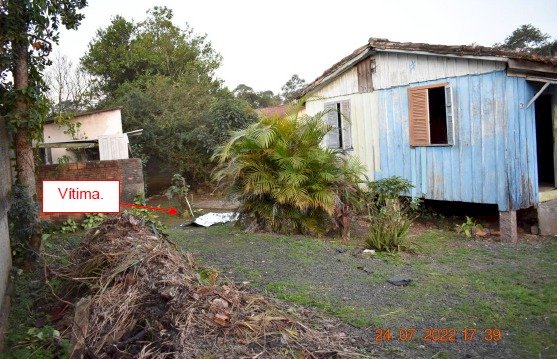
<point x="263" y="43"/>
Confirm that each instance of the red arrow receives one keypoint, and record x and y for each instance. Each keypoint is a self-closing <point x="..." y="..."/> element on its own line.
<point x="171" y="211"/>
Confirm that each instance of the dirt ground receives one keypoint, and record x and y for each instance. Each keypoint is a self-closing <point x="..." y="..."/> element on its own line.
<point x="492" y="287"/>
<point x="466" y="299"/>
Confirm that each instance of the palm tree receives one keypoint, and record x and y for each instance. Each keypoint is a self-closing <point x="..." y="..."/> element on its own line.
<point x="285" y="180"/>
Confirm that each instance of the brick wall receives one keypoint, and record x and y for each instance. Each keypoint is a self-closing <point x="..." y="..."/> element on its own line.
<point x="128" y="171"/>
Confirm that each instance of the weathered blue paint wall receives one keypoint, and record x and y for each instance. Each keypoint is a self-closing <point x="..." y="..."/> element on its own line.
<point x="494" y="157"/>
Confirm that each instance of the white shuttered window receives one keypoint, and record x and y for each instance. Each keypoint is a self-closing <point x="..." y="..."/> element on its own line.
<point x="337" y="115"/>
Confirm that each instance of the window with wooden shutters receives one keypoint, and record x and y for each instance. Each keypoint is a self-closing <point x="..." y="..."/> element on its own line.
<point x="337" y="115"/>
<point x="431" y="115"/>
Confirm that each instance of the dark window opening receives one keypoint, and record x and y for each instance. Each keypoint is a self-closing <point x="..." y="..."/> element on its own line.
<point x="340" y="134"/>
<point x="337" y="115"/>
<point x="437" y="116"/>
<point x="544" y="140"/>
<point x="45" y="155"/>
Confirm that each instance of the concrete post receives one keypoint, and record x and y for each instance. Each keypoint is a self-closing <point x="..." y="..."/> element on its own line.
<point x="547" y="218"/>
<point x="508" y="226"/>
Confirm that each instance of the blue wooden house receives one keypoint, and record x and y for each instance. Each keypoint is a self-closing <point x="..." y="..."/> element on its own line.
<point x="462" y="123"/>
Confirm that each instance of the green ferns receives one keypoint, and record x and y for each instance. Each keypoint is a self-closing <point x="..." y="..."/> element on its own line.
<point x="286" y="182"/>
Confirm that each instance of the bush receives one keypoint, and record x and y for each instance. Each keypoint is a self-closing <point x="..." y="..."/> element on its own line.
<point x="180" y="188"/>
<point x="92" y="220"/>
<point x="388" y="231"/>
<point x="150" y="218"/>
<point x="286" y="182"/>
<point x="69" y="226"/>
<point x="389" y="215"/>
<point x="22" y="218"/>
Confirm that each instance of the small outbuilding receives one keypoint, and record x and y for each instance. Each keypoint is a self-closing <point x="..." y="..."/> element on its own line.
<point x="461" y="123"/>
<point x="88" y="136"/>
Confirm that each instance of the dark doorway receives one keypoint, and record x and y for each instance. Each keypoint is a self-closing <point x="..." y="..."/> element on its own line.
<point x="544" y="138"/>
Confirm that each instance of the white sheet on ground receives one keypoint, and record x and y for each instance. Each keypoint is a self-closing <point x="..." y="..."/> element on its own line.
<point x="212" y="218"/>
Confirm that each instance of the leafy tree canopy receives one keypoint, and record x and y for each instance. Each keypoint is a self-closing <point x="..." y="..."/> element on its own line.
<point x="163" y="77"/>
<point x="127" y="51"/>
<point x="290" y="90"/>
<point x="258" y="99"/>
<point x="531" y="39"/>
<point x="28" y="31"/>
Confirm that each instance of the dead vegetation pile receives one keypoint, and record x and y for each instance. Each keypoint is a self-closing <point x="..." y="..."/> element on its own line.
<point x="143" y="298"/>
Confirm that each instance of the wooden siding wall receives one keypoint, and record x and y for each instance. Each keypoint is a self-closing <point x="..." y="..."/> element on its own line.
<point x="364" y="128"/>
<point x="397" y="69"/>
<point x="364" y="76"/>
<point x="345" y="84"/>
<point x="494" y="158"/>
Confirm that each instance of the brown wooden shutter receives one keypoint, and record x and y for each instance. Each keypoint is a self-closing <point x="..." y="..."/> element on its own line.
<point x="418" y="105"/>
<point x="364" y="76"/>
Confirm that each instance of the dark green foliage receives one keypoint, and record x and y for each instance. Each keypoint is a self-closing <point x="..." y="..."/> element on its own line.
<point x="389" y="214"/>
<point x="179" y="188"/>
<point x="382" y="191"/>
<point x="224" y="115"/>
<point x="388" y="231"/>
<point x="531" y="39"/>
<point x="256" y="99"/>
<point x="33" y="25"/>
<point x="292" y="88"/>
<point x="163" y="77"/>
<point x="22" y="218"/>
<point x="126" y="51"/>
<point x="286" y="182"/>
<point x="183" y="120"/>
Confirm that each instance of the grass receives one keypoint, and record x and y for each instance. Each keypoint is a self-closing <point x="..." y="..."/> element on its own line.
<point x="456" y="282"/>
<point x="301" y="293"/>
<point x="29" y="334"/>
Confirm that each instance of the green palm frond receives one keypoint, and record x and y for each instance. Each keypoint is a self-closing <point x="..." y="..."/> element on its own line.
<point x="285" y="180"/>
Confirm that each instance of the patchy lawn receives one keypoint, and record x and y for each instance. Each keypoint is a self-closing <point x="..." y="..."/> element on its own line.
<point x="456" y="284"/>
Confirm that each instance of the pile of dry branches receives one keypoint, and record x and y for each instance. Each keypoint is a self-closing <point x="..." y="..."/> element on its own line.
<point x="143" y="298"/>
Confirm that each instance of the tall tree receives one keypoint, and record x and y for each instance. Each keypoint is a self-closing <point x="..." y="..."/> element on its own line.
<point x="69" y="86"/>
<point x="126" y="51"/>
<point x="256" y="99"/>
<point x="290" y="90"/>
<point x="29" y="30"/>
<point x="163" y="77"/>
<point x="531" y="39"/>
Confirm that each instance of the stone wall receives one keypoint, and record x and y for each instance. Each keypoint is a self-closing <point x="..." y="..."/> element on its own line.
<point x="128" y="172"/>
